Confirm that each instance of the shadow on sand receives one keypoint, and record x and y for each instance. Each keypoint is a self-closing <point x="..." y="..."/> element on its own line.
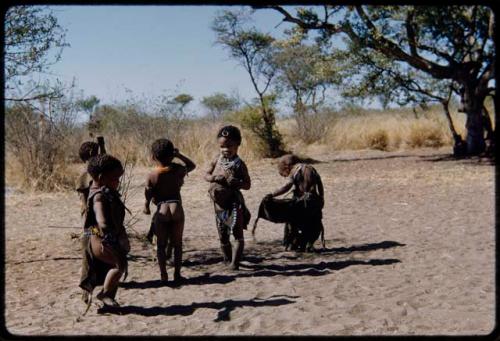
<point x="386" y="244"/>
<point x="271" y="270"/>
<point x="252" y="266"/>
<point x="224" y="308"/>
<point x="472" y="160"/>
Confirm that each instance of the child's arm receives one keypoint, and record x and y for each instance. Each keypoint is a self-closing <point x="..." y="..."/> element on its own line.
<point x="100" y="213"/>
<point x="82" y="188"/>
<point x="102" y="146"/>
<point x="245" y="182"/>
<point x="213" y="178"/>
<point x="148" y="194"/>
<point x="83" y="203"/>
<point x="190" y="165"/>
<point x="282" y="190"/>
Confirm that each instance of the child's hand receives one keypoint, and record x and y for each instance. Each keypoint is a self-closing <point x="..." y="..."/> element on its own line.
<point x="233" y="182"/>
<point x="221" y="179"/>
<point x="146" y="210"/>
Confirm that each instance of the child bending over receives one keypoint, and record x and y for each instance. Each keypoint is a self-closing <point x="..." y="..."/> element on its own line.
<point x="163" y="187"/>
<point x="305" y="223"/>
<point x="108" y="245"/>
<point x="228" y="174"/>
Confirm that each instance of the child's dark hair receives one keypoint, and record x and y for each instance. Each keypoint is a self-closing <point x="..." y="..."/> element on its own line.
<point x="87" y="150"/>
<point x="162" y="150"/>
<point x="103" y="163"/>
<point x="230" y="132"/>
<point x="286" y="161"/>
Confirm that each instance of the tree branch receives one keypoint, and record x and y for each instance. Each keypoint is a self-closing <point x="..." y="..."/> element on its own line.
<point x="380" y="43"/>
<point x="410" y="32"/>
<point x="289" y="18"/>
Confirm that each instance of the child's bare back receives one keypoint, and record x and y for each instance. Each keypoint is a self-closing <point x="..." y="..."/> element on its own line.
<point x="163" y="186"/>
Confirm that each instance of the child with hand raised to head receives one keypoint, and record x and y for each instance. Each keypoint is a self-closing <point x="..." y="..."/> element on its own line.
<point x="163" y="187"/>
<point x="227" y="175"/>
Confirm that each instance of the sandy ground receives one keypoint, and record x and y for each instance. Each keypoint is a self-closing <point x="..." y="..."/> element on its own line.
<point x="410" y="249"/>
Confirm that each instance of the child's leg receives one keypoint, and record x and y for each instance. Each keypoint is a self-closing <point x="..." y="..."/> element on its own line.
<point x="176" y="241"/>
<point x="150" y="234"/>
<point x="225" y="244"/>
<point x="172" y="217"/>
<point x="161" y="231"/>
<point x="286" y="236"/>
<point x="169" y="252"/>
<point x="111" y="257"/>
<point x="316" y="229"/>
<point x="239" y="244"/>
<point x="85" y="266"/>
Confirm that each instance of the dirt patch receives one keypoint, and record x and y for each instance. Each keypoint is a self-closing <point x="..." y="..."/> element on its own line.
<point x="410" y="249"/>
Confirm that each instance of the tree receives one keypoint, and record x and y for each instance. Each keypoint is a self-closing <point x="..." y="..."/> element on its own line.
<point x="453" y="43"/>
<point x="31" y="32"/>
<point x="37" y="135"/>
<point x="89" y="106"/>
<point x="219" y="104"/>
<point x="182" y="100"/>
<point x="305" y="72"/>
<point x="253" y="50"/>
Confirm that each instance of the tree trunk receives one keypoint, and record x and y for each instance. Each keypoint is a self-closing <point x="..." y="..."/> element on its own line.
<point x="273" y="142"/>
<point x="473" y="108"/>
<point x="450" y="121"/>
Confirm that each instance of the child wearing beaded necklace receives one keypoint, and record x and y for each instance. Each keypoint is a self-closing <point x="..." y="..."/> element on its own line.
<point x="228" y="174"/>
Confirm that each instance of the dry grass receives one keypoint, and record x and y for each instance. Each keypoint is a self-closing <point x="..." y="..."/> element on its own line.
<point x="382" y="130"/>
<point x="198" y="141"/>
<point x="393" y="131"/>
<point x="61" y="178"/>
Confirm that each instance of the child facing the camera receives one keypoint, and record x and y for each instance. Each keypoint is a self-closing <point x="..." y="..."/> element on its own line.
<point x="227" y="175"/>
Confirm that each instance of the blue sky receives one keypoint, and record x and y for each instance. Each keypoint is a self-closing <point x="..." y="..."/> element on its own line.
<point x="151" y="50"/>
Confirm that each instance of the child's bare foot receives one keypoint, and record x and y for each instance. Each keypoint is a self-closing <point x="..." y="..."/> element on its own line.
<point x="178" y="280"/>
<point x="107" y="300"/>
<point x="234" y="266"/>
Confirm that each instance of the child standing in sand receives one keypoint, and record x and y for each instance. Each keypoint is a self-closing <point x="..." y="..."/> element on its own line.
<point x="87" y="150"/>
<point x="108" y="245"/>
<point x="163" y="187"/>
<point x="308" y="200"/>
<point x="228" y="174"/>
